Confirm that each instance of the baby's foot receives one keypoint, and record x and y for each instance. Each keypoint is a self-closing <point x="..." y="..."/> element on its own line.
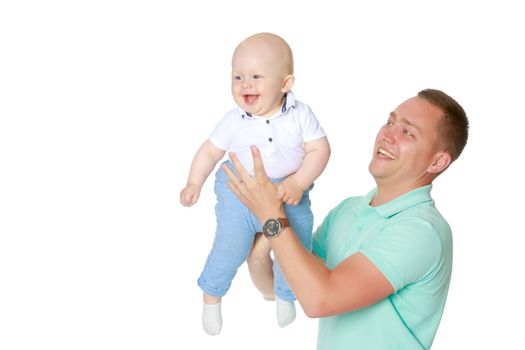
<point x="211" y="318"/>
<point x="285" y="312"/>
<point x="270" y="297"/>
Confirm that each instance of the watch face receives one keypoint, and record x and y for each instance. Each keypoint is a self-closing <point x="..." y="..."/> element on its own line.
<point x="271" y="227"/>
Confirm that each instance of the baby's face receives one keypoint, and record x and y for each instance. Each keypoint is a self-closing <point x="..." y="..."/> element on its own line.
<point x="258" y="79"/>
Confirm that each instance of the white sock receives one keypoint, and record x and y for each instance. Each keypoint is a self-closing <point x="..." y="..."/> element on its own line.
<point x="285" y="312"/>
<point x="211" y="318"/>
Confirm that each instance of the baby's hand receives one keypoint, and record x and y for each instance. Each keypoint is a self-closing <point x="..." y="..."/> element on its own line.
<point x="190" y="195"/>
<point x="289" y="191"/>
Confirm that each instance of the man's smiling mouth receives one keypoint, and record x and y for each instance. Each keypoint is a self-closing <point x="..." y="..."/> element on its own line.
<point x="386" y="153"/>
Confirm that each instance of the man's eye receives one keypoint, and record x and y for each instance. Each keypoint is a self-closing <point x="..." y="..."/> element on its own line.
<point x="257" y="76"/>
<point x="389" y="123"/>
<point x="407" y="133"/>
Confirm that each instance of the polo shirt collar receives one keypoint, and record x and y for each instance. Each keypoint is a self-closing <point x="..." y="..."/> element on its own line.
<point x="403" y="202"/>
<point x="289" y="102"/>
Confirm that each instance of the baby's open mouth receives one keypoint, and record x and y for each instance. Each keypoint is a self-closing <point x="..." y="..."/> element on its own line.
<point x="250" y="99"/>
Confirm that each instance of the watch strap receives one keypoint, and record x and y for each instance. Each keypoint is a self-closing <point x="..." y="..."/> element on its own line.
<point x="284" y="222"/>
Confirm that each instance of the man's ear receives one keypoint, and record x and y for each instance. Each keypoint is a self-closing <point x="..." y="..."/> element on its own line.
<point x="441" y="162"/>
<point x="288" y="83"/>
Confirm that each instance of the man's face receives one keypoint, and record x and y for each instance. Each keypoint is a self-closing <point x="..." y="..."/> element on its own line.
<point x="407" y="146"/>
<point x="257" y="81"/>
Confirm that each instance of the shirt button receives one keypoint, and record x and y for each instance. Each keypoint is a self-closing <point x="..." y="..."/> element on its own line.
<point x="270" y="139"/>
<point x="267" y="121"/>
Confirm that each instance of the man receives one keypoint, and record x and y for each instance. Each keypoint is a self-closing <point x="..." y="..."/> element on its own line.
<point x="387" y="255"/>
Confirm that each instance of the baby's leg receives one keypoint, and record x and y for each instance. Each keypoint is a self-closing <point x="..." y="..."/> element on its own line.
<point x="260" y="265"/>
<point x="211" y="299"/>
<point x="231" y="246"/>
<point x="230" y="249"/>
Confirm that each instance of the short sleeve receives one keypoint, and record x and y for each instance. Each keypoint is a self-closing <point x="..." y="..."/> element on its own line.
<point x="319" y="239"/>
<point x="222" y="134"/>
<point x="311" y="128"/>
<point x="405" y="252"/>
<point x="319" y="244"/>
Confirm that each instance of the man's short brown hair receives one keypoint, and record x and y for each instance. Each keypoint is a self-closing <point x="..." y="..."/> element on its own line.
<point x="453" y="127"/>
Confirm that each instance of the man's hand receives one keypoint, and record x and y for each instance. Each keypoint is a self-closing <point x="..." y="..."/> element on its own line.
<point x="289" y="191"/>
<point x="256" y="192"/>
<point x="190" y="194"/>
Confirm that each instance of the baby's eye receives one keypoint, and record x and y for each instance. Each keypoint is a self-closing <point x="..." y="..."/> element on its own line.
<point x="237" y="77"/>
<point x="257" y="76"/>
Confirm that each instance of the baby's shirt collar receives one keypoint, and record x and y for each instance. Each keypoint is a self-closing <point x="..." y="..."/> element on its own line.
<point x="289" y="102"/>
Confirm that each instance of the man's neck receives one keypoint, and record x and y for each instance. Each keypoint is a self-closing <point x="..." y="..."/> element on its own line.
<point x="386" y="193"/>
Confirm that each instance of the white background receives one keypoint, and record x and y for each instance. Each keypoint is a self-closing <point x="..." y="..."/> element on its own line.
<point x="104" y="103"/>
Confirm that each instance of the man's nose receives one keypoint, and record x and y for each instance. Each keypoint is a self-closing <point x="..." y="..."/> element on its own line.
<point x="388" y="135"/>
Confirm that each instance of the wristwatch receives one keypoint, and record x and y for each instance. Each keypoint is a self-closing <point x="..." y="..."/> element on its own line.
<point x="272" y="227"/>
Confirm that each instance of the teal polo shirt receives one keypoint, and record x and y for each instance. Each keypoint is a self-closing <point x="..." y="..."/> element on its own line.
<point x="409" y="241"/>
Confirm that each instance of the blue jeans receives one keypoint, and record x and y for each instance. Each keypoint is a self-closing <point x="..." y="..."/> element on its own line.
<point x="234" y="236"/>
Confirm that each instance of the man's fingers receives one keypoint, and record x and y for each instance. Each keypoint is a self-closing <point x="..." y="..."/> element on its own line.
<point x="230" y="174"/>
<point x="280" y="192"/>
<point x="235" y="182"/>
<point x="242" y="173"/>
<point x="258" y="167"/>
<point x="292" y="201"/>
<point x="236" y="189"/>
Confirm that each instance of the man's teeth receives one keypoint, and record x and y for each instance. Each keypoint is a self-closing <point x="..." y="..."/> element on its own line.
<point x="386" y="153"/>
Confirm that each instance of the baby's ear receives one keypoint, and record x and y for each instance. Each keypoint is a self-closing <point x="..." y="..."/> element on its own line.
<point x="288" y="83"/>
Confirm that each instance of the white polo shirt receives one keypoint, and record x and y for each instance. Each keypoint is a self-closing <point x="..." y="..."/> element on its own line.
<point x="280" y="138"/>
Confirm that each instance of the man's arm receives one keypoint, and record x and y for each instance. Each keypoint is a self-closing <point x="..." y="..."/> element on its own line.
<point x="319" y="258"/>
<point x="317" y="153"/>
<point x="203" y="163"/>
<point x="353" y="284"/>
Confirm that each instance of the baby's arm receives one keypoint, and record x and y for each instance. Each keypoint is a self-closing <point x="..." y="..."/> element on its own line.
<point x="316" y="157"/>
<point x="203" y="163"/>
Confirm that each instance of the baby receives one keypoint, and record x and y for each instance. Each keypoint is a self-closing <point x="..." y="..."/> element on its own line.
<point x="295" y="152"/>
